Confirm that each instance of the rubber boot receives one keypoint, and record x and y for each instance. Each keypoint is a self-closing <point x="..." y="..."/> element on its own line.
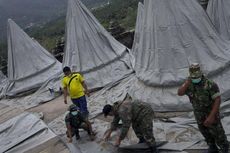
<point x="225" y="149"/>
<point x="141" y="140"/>
<point x="212" y="149"/>
<point x="154" y="149"/>
<point x="77" y="134"/>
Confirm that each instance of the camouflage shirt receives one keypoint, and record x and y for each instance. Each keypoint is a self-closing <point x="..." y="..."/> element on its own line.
<point x="74" y="121"/>
<point x="129" y="112"/>
<point x="202" y="95"/>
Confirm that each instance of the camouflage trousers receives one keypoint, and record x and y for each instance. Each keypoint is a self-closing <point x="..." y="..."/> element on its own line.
<point x="215" y="134"/>
<point x="143" y="128"/>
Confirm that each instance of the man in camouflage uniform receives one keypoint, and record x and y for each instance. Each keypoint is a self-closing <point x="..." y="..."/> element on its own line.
<point x="137" y="113"/>
<point x="204" y="95"/>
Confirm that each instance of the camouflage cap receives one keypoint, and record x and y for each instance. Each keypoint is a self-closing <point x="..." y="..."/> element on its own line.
<point x="194" y="71"/>
<point x="73" y="107"/>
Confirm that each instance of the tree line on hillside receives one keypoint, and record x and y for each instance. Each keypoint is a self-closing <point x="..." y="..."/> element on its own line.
<point x="123" y="12"/>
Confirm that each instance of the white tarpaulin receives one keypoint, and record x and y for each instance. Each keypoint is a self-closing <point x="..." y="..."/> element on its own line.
<point x="138" y="29"/>
<point x="29" y="64"/>
<point x="91" y="50"/>
<point x="25" y="133"/>
<point x="176" y="34"/>
<point x="3" y="84"/>
<point x="219" y="13"/>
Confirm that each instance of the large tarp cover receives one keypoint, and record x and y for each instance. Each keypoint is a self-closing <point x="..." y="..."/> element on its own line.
<point x="138" y="29"/>
<point x="91" y="50"/>
<point x="25" y="133"/>
<point x="29" y="64"/>
<point x="3" y="84"/>
<point x="176" y="34"/>
<point x="219" y="13"/>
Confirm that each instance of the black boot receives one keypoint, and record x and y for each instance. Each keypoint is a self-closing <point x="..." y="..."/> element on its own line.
<point x="77" y="134"/>
<point x="154" y="149"/>
<point x="225" y="149"/>
<point x="212" y="149"/>
<point x="141" y="140"/>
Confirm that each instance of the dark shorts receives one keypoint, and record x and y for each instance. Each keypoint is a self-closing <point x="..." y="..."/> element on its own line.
<point x="82" y="104"/>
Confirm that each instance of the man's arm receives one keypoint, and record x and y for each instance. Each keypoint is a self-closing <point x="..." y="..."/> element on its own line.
<point x="214" y="112"/>
<point x="182" y="90"/>
<point x="86" y="88"/>
<point x="126" y="122"/>
<point x="215" y="95"/>
<point x="65" y="94"/>
<point x="69" y="132"/>
<point x="113" y="127"/>
<point x="89" y="126"/>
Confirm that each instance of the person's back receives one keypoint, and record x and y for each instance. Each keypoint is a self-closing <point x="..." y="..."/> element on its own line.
<point x="73" y="82"/>
<point x="135" y="109"/>
<point x="140" y="110"/>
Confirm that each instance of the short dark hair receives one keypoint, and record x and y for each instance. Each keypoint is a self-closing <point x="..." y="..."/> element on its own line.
<point x="66" y="69"/>
<point x="107" y="108"/>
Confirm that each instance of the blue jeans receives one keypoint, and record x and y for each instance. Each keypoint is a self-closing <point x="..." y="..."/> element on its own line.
<point x="82" y="104"/>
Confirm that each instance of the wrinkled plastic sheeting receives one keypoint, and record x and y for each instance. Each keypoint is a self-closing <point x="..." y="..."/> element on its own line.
<point x="109" y="95"/>
<point x="91" y="50"/>
<point x="3" y="84"/>
<point x="50" y="90"/>
<point x="29" y="64"/>
<point x="182" y="131"/>
<point x="138" y="30"/>
<point x="25" y="133"/>
<point x="180" y="33"/>
<point x="138" y="148"/>
<point x="219" y="13"/>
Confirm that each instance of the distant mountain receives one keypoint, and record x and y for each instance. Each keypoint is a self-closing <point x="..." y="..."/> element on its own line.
<point x="27" y="13"/>
<point x="46" y="18"/>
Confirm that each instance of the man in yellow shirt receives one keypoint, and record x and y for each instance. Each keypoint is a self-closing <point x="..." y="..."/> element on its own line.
<point x="73" y="83"/>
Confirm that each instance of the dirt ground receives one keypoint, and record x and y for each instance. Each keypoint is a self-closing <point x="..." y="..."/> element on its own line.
<point x="52" y="109"/>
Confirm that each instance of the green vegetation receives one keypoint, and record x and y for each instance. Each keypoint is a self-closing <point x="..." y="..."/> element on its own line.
<point x="48" y="34"/>
<point x="124" y="12"/>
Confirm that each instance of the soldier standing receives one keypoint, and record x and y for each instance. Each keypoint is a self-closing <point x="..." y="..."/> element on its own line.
<point x="205" y="97"/>
<point x="137" y="113"/>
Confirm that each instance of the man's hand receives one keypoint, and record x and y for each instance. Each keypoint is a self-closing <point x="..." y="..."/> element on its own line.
<point x="188" y="81"/>
<point x="107" y="135"/>
<point x="181" y="91"/>
<point x="118" y="142"/>
<point x="65" y="101"/>
<point x="87" y="93"/>
<point x="209" y="121"/>
<point x="70" y="140"/>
